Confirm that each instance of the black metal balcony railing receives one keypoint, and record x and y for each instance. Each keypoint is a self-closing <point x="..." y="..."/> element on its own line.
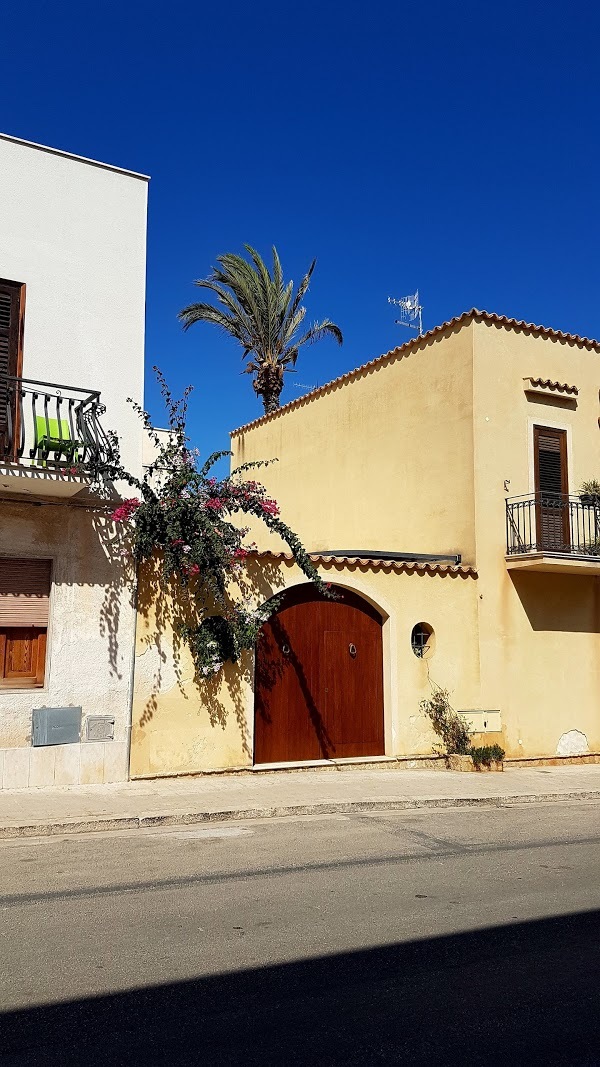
<point x="51" y="426"/>
<point x="553" y="522"/>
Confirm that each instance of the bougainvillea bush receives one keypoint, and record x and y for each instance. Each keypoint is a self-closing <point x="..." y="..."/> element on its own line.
<point x="190" y="519"/>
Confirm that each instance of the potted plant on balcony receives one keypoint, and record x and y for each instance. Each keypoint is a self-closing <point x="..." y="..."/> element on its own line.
<point x="589" y="495"/>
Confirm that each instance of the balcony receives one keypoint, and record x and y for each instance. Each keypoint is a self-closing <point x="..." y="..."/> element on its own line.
<point x="553" y="532"/>
<point x="51" y="439"/>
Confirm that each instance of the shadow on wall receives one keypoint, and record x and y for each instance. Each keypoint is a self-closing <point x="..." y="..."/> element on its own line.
<point x="524" y="993"/>
<point x="119" y="585"/>
<point x="166" y="607"/>
<point x="567" y="603"/>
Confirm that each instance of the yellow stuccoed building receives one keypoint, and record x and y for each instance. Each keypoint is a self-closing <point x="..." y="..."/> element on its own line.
<point x="438" y="489"/>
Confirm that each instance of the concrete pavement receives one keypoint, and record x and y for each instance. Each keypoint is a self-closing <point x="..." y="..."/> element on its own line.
<point x="180" y="801"/>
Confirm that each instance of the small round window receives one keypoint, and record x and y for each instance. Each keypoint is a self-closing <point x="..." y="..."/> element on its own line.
<point x="422" y="639"/>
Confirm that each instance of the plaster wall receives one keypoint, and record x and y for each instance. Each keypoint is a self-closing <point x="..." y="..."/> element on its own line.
<point x="539" y="633"/>
<point x="381" y="462"/>
<point x="180" y="726"/>
<point x="89" y="651"/>
<point x="75" y="234"/>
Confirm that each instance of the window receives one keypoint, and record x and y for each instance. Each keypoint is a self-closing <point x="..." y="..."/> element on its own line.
<point x="421" y="639"/>
<point x="552" y="487"/>
<point x="24" y="601"/>
<point x="12" y="310"/>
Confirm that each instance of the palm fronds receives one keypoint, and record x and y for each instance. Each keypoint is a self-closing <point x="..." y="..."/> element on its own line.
<point x="261" y="312"/>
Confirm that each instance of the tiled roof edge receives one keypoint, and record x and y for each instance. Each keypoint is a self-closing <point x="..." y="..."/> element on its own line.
<point x="376" y="564"/>
<point x="546" y="383"/>
<point x="415" y="342"/>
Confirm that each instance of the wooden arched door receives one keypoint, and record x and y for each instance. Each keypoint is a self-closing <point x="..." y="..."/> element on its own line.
<point x="319" y="679"/>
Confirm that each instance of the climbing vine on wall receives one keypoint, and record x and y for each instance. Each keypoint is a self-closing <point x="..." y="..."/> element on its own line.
<point x="185" y="515"/>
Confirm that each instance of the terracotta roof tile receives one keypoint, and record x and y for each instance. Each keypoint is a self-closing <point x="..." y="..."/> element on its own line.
<point x="376" y="564"/>
<point x="545" y="383"/>
<point x="415" y="342"/>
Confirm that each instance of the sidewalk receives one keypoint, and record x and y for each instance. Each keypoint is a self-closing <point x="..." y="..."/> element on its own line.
<point x="176" y="801"/>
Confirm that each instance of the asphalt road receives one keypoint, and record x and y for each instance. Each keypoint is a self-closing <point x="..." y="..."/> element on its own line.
<point x="466" y="936"/>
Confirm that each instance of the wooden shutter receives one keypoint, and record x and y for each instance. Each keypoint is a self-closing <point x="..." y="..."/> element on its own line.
<point x="11" y="329"/>
<point x="22" y="657"/>
<point x="24" y="592"/>
<point x="552" y="487"/>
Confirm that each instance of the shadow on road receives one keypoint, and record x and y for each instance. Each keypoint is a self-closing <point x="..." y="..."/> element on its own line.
<point x="519" y="994"/>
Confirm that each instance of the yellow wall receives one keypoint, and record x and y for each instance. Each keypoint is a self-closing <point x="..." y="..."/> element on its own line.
<point x="383" y="462"/>
<point x="412" y="456"/>
<point x="539" y="633"/>
<point x="180" y="726"/>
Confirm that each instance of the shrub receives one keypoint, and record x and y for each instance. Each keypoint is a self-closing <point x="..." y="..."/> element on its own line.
<point x="454" y="731"/>
<point x="192" y="522"/>
<point x="487" y="754"/>
<point x="446" y="722"/>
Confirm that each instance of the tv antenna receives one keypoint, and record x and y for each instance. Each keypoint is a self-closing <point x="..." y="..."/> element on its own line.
<point x="410" y="312"/>
<point x="302" y="385"/>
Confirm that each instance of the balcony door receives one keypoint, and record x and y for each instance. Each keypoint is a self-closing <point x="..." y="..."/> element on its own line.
<point x="12" y="306"/>
<point x="552" y="488"/>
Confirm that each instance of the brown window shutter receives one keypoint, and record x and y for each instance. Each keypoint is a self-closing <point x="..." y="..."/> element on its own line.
<point x="550" y="461"/>
<point x="22" y="657"/>
<point x="24" y="592"/>
<point x="12" y="296"/>
<point x="552" y="486"/>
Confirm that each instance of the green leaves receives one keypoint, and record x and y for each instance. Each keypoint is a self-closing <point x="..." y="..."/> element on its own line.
<point x="259" y="310"/>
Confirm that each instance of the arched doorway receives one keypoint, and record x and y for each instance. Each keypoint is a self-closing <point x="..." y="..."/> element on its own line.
<point x="319" y="679"/>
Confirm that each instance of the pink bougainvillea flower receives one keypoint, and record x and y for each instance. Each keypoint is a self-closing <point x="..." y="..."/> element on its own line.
<point x="126" y="510"/>
<point x="270" y="507"/>
<point x="194" y="569"/>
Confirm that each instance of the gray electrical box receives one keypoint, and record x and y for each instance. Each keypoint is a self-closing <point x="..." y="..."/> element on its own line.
<point x="99" y="728"/>
<point x="56" y="726"/>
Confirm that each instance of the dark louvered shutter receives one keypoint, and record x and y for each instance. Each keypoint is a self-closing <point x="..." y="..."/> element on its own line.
<point x="552" y="489"/>
<point x="10" y="313"/>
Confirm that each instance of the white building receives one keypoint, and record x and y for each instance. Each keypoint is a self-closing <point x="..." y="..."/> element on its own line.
<point x="72" y="300"/>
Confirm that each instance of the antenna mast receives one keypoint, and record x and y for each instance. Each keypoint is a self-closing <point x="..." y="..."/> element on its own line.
<point x="410" y="312"/>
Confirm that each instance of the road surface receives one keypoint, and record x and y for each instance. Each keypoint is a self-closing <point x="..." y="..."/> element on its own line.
<point x="467" y="936"/>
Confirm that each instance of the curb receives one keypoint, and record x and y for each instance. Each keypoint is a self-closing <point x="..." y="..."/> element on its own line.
<point x="102" y="823"/>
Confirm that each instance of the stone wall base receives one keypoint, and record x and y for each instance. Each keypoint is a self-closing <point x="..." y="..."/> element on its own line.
<point x="88" y="763"/>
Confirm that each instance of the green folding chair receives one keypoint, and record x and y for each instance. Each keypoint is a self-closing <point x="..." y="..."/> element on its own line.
<point x="52" y="437"/>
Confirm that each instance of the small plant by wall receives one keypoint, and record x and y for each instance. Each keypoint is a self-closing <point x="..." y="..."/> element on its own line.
<point x="484" y="755"/>
<point x="454" y="731"/>
<point x="446" y="722"/>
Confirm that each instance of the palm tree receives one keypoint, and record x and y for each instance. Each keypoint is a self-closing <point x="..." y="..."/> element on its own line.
<point x="260" y="311"/>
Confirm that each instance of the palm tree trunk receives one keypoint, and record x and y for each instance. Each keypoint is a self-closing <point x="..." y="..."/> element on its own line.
<point x="268" y="385"/>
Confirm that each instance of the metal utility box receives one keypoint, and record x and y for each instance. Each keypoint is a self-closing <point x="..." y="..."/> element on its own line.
<point x="56" y="726"/>
<point x="99" y="728"/>
<point x="483" y="722"/>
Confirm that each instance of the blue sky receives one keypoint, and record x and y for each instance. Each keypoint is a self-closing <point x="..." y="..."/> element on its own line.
<point x="445" y="146"/>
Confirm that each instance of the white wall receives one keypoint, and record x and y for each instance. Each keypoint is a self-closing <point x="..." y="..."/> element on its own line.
<point x="90" y="645"/>
<point x="75" y="233"/>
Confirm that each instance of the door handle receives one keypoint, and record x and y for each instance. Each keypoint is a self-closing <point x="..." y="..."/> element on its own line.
<point x="352" y="650"/>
